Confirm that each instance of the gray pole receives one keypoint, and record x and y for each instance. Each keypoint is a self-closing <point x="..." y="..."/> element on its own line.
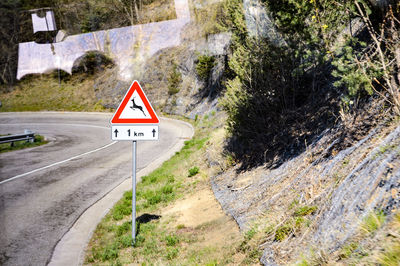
<point x="134" y="191"/>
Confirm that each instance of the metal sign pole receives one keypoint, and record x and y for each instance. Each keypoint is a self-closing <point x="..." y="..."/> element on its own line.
<point x="134" y="191"/>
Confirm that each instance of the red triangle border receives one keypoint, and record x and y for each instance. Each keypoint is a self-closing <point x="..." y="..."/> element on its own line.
<point x="153" y="117"/>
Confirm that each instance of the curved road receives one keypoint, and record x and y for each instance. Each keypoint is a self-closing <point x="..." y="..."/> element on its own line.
<point x="43" y="190"/>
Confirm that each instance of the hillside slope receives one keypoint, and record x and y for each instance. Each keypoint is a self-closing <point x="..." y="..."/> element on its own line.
<point x="313" y="130"/>
<point x="316" y="202"/>
<point x="306" y="159"/>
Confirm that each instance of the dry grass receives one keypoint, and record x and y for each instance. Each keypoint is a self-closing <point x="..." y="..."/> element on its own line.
<point x="45" y="93"/>
<point x="380" y="248"/>
<point x="157" y="11"/>
<point x="293" y="204"/>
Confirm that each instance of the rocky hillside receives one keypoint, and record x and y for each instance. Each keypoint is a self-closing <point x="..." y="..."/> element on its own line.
<point x="319" y="201"/>
<point x="308" y="154"/>
<point x="314" y="132"/>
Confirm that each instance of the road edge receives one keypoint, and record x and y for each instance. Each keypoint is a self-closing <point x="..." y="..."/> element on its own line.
<point x="70" y="250"/>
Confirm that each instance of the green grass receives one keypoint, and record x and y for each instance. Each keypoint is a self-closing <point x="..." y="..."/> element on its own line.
<point x="305" y="210"/>
<point x="295" y="223"/>
<point x="283" y="231"/>
<point x="250" y="246"/>
<point x="19" y="145"/>
<point x="372" y="222"/>
<point x="154" y="239"/>
<point x="347" y="250"/>
<point x="193" y="171"/>
<point x="171" y="240"/>
<point x="379" y="243"/>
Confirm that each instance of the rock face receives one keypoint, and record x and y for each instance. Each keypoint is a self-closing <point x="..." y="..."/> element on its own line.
<point x="259" y="23"/>
<point x="373" y="184"/>
<point x="193" y="96"/>
<point x="345" y="187"/>
<point x="380" y="3"/>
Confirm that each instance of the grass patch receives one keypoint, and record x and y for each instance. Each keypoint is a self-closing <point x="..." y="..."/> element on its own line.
<point x="171" y="240"/>
<point x="249" y="247"/>
<point x="19" y="145"/>
<point x="347" y="250"/>
<point x="377" y="243"/>
<point x="73" y="94"/>
<point x="305" y="210"/>
<point x="159" y="241"/>
<point x="283" y="231"/>
<point x="193" y="171"/>
<point x="391" y="256"/>
<point x="167" y="240"/>
<point x="373" y="222"/>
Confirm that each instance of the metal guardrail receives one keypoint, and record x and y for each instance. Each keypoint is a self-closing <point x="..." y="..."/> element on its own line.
<point x="20" y="137"/>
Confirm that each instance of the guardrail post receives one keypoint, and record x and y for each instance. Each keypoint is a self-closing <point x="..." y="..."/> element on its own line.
<point x="27" y="131"/>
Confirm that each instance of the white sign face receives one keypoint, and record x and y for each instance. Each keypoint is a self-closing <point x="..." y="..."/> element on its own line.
<point x="133" y="132"/>
<point x="135" y="109"/>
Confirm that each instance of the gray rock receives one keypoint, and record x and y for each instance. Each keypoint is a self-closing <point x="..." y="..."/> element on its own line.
<point x="218" y="44"/>
<point x="367" y="188"/>
<point x="380" y="3"/>
<point x="373" y="184"/>
<point x="267" y="258"/>
<point x="259" y="23"/>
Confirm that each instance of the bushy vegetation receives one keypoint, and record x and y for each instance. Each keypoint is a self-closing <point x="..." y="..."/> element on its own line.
<point x="281" y="94"/>
<point x="174" y="80"/>
<point x="92" y="62"/>
<point x="207" y="16"/>
<point x="204" y="66"/>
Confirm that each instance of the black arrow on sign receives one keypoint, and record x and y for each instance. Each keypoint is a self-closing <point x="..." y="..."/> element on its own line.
<point x="154" y="132"/>
<point x="116" y="132"/>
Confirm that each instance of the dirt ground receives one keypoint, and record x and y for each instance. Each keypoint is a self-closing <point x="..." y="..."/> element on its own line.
<point x="200" y="211"/>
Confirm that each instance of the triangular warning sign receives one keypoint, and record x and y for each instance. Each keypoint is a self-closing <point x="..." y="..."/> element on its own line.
<point x="135" y="108"/>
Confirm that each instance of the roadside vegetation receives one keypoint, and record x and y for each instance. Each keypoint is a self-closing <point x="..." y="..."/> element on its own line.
<point x="178" y="219"/>
<point x="19" y="145"/>
<point x="333" y="67"/>
<point x="318" y="73"/>
<point x="377" y="242"/>
<point x="49" y="93"/>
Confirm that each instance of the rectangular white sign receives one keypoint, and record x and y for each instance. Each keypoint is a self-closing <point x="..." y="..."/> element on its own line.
<point x="139" y="132"/>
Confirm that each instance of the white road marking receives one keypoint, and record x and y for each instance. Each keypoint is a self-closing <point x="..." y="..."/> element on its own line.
<point x="60" y="162"/>
<point x="57" y="163"/>
<point x="52" y="124"/>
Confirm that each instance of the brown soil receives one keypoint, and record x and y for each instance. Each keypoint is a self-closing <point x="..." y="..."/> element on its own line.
<point x="201" y="213"/>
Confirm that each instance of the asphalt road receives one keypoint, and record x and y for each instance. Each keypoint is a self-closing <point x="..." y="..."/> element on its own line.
<point x="43" y="190"/>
